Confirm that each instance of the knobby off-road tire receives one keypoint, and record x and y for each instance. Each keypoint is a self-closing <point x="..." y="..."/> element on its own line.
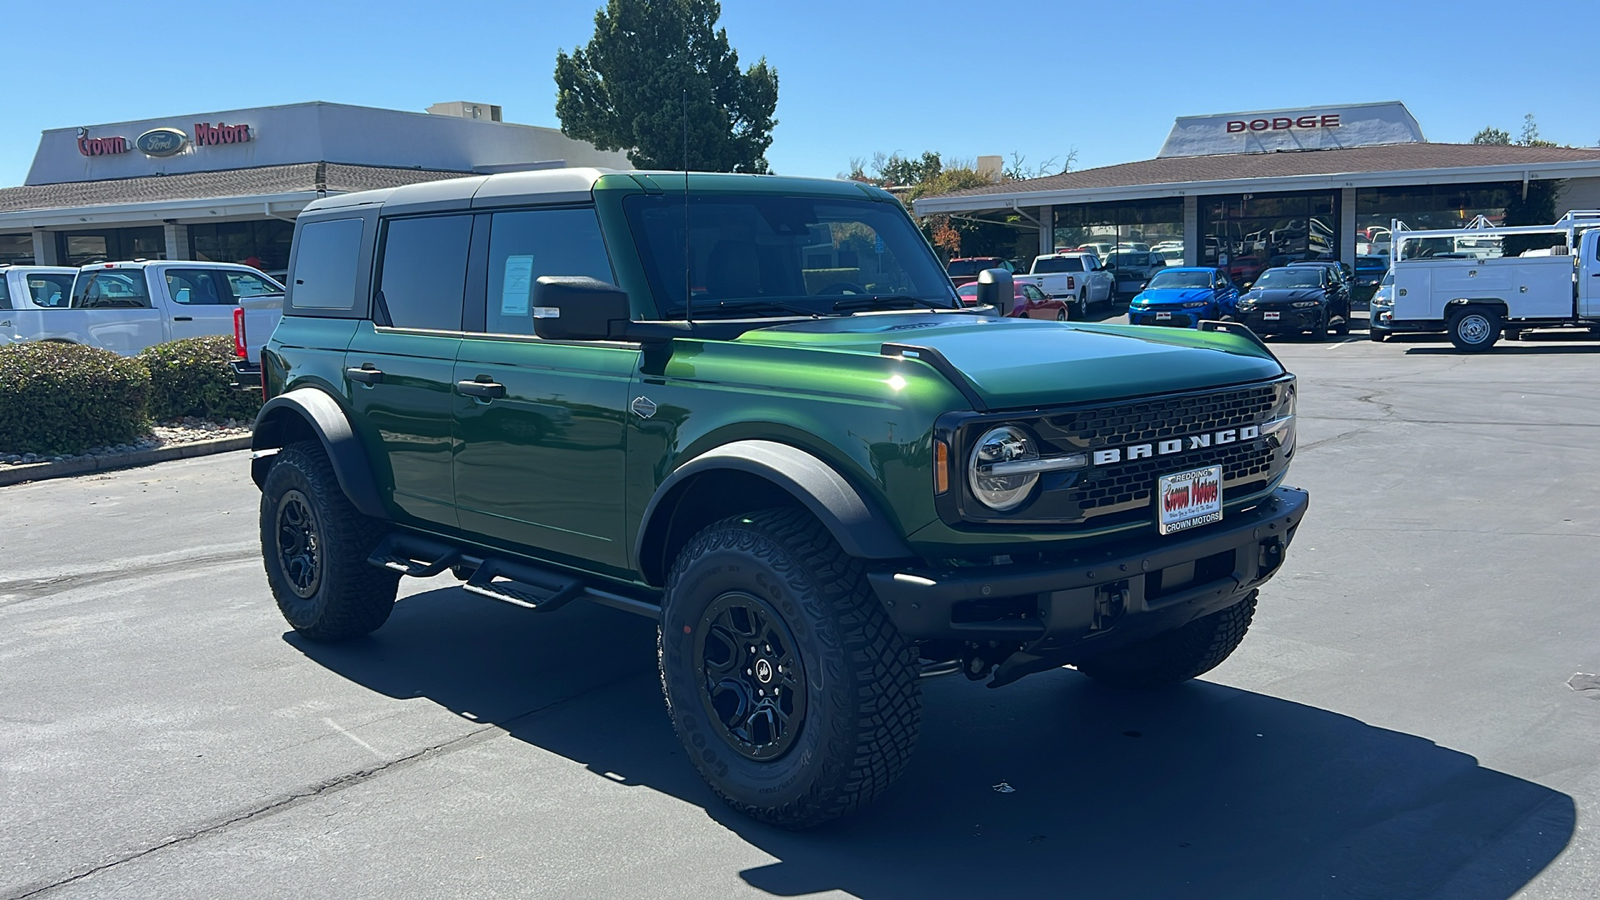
<point x="854" y="676"/>
<point x="1176" y="656"/>
<point x="315" y="545"/>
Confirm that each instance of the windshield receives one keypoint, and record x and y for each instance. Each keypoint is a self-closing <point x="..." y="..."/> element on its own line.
<point x="1062" y="264"/>
<point x="761" y="253"/>
<point x="1170" y="280"/>
<point x="1290" y="278"/>
<point x="1388" y="277"/>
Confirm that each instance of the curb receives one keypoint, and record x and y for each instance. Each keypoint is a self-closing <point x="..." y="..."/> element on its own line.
<point x="68" y="468"/>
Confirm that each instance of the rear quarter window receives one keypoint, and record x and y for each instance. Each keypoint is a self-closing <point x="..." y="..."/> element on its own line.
<point x="327" y="257"/>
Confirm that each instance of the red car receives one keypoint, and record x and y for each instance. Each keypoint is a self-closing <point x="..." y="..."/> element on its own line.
<point x="1031" y="302"/>
<point x="965" y="270"/>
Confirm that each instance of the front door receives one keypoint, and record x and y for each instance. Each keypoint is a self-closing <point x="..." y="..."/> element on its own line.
<point x="1589" y="275"/>
<point x="399" y="366"/>
<point x="541" y="424"/>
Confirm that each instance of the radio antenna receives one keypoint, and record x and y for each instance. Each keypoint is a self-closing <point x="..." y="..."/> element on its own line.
<point x="688" y="289"/>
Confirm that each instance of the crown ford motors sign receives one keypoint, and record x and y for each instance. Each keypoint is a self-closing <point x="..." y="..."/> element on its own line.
<point x="1314" y="128"/>
<point x="162" y="142"/>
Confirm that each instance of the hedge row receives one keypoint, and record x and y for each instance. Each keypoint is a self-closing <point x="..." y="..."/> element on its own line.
<point x="64" y="398"/>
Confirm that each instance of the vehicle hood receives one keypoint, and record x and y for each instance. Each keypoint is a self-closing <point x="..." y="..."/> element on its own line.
<point x="1017" y="363"/>
<point x="1173" y="296"/>
<point x="1281" y="296"/>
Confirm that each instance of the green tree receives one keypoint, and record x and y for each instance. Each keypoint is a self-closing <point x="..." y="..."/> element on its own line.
<point x="1492" y="135"/>
<point x="651" y="67"/>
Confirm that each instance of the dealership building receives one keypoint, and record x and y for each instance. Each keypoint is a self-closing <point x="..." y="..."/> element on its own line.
<point x="1249" y="190"/>
<point x="226" y="186"/>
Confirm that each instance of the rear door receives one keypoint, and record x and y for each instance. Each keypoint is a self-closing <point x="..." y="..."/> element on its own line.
<point x="400" y="360"/>
<point x="542" y="423"/>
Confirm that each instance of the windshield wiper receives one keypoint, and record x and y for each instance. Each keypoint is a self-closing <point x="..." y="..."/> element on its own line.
<point x="702" y="307"/>
<point x="868" y="301"/>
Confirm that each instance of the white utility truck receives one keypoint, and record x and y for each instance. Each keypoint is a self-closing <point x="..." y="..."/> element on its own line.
<point x="1074" y="276"/>
<point x="1475" y="299"/>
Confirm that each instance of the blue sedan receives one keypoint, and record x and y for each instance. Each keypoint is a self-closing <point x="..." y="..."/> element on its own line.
<point x="1183" y="297"/>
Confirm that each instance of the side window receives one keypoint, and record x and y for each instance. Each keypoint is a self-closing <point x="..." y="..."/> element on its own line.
<point x="5" y="293"/>
<point x="51" y="291"/>
<point x="196" y="287"/>
<point x="327" y="256"/>
<point x="423" y="271"/>
<point x="526" y="244"/>
<point x="243" y="284"/>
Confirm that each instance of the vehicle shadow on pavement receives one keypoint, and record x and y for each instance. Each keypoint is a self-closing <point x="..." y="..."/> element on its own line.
<point x="1051" y="786"/>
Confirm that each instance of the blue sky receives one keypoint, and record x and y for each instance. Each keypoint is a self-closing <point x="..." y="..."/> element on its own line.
<point x="963" y="78"/>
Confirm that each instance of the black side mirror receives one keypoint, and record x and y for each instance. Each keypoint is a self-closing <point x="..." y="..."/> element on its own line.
<point x="573" y="308"/>
<point x="996" y="288"/>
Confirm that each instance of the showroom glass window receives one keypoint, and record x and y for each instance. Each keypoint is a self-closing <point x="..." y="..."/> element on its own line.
<point x="1246" y="234"/>
<point x="423" y="271"/>
<point x="1143" y="225"/>
<point x="264" y="245"/>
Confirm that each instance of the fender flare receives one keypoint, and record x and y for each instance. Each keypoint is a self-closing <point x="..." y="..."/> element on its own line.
<point x="323" y="414"/>
<point x="859" y="528"/>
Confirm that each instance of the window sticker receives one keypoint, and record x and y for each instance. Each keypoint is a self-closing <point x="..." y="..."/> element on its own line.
<point x="517" y="287"/>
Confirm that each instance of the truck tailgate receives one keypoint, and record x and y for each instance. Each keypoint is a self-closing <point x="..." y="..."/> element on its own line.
<point x="260" y="317"/>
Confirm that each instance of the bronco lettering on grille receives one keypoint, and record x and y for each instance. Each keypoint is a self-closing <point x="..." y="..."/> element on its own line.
<point x="1222" y="438"/>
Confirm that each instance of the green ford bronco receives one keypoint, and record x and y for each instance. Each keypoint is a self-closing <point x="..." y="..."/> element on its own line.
<point x="753" y="409"/>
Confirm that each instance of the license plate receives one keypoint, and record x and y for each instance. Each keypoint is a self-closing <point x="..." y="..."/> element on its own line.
<point x="1269" y="316"/>
<point x="1163" y="315"/>
<point x="1189" y="499"/>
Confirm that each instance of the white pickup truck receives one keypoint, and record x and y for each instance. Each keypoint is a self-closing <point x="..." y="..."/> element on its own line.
<point x="128" y="306"/>
<point x="1476" y="300"/>
<point x="26" y="293"/>
<point x="1076" y="277"/>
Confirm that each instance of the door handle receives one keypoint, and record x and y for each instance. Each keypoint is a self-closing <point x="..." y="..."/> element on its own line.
<point x="487" y="390"/>
<point x="183" y="318"/>
<point x="366" y="374"/>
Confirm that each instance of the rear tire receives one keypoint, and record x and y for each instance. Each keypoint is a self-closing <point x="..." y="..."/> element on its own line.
<point x="1475" y="329"/>
<point x="1176" y="656"/>
<point x="315" y="545"/>
<point x="818" y="641"/>
<point x="1083" y="305"/>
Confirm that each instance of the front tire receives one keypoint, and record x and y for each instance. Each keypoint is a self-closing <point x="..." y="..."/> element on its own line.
<point x="1176" y="656"/>
<point x="795" y="697"/>
<point x="1475" y="329"/>
<point x="315" y="546"/>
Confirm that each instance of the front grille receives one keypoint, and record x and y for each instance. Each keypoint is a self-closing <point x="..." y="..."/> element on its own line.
<point x="1121" y="492"/>
<point x="1132" y="423"/>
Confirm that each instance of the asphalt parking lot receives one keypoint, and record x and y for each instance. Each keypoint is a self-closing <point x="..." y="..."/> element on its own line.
<point x="1403" y="720"/>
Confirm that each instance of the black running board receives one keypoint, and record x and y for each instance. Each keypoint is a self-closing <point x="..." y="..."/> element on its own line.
<point x="518" y="583"/>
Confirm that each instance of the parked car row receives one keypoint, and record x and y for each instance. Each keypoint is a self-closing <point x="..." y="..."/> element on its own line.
<point x="126" y="307"/>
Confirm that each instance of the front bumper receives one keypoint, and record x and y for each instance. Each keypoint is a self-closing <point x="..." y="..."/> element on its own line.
<point x="1176" y="318"/>
<point x="1075" y="608"/>
<point x="1289" y="321"/>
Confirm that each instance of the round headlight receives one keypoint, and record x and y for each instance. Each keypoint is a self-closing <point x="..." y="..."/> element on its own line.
<point x="1008" y="443"/>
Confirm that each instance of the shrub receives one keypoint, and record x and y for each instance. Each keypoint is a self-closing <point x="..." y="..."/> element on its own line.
<point x="190" y="377"/>
<point x="66" y="398"/>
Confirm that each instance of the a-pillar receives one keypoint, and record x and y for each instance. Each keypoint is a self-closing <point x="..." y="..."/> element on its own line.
<point x="177" y="240"/>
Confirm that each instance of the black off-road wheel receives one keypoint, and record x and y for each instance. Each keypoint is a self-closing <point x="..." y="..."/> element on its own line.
<point x="315" y="545"/>
<point x="1176" y="656"/>
<point x="1082" y="309"/>
<point x="792" y="692"/>
<point x="1475" y="329"/>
